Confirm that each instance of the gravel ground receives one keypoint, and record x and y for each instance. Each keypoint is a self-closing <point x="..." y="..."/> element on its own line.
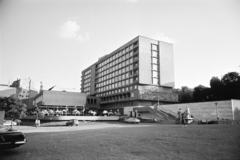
<point x="118" y="141"/>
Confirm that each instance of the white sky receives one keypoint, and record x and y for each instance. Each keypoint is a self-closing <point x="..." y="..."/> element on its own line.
<point x="55" y="40"/>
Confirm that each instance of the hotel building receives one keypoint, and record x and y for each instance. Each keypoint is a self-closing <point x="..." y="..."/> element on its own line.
<point x="139" y="73"/>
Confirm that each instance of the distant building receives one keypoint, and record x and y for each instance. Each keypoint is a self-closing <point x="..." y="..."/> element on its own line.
<point x="139" y="73"/>
<point x="6" y="91"/>
<point x="48" y="99"/>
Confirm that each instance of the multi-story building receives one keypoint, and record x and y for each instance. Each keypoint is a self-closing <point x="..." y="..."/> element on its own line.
<point x="139" y="73"/>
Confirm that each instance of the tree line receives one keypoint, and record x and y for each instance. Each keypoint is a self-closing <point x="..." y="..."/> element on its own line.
<point x="228" y="87"/>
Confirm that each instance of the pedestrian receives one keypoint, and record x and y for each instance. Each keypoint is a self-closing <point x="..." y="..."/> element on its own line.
<point x="180" y="115"/>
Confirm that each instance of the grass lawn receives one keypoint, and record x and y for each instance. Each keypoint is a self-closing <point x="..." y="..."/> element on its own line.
<point x="134" y="142"/>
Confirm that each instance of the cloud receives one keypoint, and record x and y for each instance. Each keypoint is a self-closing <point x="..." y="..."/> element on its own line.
<point x="160" y="36"/>
<point x="71" y="30"/>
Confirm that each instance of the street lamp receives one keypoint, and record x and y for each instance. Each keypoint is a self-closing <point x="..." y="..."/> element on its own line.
<point x="158" y="95"/>
<point x="217" y="110"/>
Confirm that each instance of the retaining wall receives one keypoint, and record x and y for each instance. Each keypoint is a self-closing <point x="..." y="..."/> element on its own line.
<point x="207" y="110"/>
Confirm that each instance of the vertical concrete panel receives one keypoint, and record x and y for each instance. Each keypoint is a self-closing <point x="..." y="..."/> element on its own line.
<point x="236" y="109"/>
<point x="2" y="114"/>
<point x="92" y="81"/>
<point x="166" y="64"/>
<point x="144" y="60"/>
<point x="205" y="110"/>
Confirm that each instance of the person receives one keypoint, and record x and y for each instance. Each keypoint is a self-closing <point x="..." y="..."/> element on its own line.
<point x="180" y="115"/>
<point x="154" y="120"/>
<point x="36" y="123"/>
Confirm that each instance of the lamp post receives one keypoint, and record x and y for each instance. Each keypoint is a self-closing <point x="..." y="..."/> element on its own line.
<point x="158" y="95"/>
<point x="217" y="110"/>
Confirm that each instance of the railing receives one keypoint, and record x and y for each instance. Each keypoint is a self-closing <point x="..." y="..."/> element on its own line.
<point x="165" y="110"/>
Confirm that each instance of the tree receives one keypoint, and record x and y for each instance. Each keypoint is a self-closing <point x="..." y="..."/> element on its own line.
<point x="231" y="85"/>
<point x="185" y="94"/>
<point x="216" y="88"/>
<point x="13" y="107"/>
<point x="202" y="93"/>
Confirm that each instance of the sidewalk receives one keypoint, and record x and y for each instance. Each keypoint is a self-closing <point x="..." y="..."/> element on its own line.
<point x="86" y="126"/>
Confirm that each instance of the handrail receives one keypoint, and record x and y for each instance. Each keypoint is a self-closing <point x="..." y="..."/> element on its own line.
<point x="167" y="111"/>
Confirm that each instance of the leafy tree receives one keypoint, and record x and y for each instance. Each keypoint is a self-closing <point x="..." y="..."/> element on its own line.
<point x="185" y="94"/>
<point x="202" y="93"/>
<point x="231" y="85"/>
<point x="13" y="107"/>
<point x="216" y="88"/>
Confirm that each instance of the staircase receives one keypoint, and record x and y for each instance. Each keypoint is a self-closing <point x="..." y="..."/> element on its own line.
<point x="163" y="115"/>
<point x="149" y="112"/>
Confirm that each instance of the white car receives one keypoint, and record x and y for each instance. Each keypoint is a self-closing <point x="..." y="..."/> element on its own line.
<point x="131" y="120"/>
<point x="8" y="123"/>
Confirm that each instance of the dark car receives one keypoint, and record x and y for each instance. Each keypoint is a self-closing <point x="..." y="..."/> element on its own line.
<point x="72" y="122"/>
<point x="11" y="138"/>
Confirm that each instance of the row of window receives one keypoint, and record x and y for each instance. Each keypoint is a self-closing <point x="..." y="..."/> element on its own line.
<point x="111" y="105"/>
<point x="87" y="72"/>
<point x="115" y="56"/>
<point x="126" y="71"/>
<point x="117" y="78"/>
<point x="155" y="64"/>
<point x="125" y="89"/>
<point x="116" y="64"/>
<point x="117" y="97"/>
<point x="115" y="85"/>
<point x="86" y="89"/>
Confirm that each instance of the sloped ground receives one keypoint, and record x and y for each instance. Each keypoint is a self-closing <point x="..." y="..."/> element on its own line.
<point x="137" y="142"/>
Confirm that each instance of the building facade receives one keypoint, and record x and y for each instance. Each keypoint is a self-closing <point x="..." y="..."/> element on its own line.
<point x="139" y="73"/>
<point x="48" y="99"/>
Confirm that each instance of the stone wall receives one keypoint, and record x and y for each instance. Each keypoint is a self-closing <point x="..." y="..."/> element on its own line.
<point x="236" y="109"/>
<point x="206" y="110"/>
<point x="2" y="114"/>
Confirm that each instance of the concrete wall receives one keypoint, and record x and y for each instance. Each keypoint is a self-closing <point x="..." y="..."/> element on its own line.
<point x="92" y="80"/>
<point x="2" y="114"/>
<point x="63" y="98"/>
<point x="166" y="64"/>
<point x="205" y="110"/>
<point x="236" y="109"/>
<point x="144" y="61"/>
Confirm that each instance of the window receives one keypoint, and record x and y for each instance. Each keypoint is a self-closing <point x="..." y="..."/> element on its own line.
<point x="154" y="54"/>
<point x="127" y="62"/>
<point x="132" y="94"/>
<point x="127" y="68"/>
<point x="123" y="76"/>
<point x="154" y="60"/>
<point x="127" y="82"/>
<point x="127" y="55"/>
<point x="131" y="67"/>
<point x="154" y="47"/>
<point x="123" y="70"/>
<point x="155" y="80"/>
<point x="123" y="57"/>
<point x="135" y="86"/>
<point x="130" y="80"/>
<point x="154" y="74"/>
<point x="154" y="67"/>
<point x="131" y="53"/>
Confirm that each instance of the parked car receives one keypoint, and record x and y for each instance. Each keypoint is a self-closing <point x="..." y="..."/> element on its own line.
<point x="131" y="120"/>
<point x="9" y="123"/>
<point x="72" y="122"/>
<point x="11" y="138"/>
